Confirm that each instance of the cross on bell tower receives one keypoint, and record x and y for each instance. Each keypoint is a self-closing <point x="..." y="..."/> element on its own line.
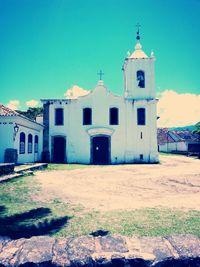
<point x="138" y="31"/>
<point x="100" y="73"/>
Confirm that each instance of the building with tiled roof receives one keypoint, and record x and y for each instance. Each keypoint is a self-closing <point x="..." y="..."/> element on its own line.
<point x="177" y="141"/>
<point x="20" y="137"/>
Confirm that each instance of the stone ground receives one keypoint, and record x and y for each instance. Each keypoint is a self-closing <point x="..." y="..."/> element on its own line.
<point x="174" y="183"/>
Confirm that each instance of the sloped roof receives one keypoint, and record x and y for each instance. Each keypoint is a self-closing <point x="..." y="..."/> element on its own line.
<point x="138" y="53"/>
<point x="165" y="135"/>
<point x="5" y="111"/>
<point x="186" y="135"/>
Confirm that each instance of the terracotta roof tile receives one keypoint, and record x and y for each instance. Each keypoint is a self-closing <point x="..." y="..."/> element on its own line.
<point x="5" y="111"/>
<point x="165" y="135"/>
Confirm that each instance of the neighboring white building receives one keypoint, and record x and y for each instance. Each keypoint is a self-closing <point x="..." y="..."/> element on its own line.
<point x="101" y="128"/>
<point x="20" y="133"/>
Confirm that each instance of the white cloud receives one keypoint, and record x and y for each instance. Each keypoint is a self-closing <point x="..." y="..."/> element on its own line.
<point x="13" y="104"/>
<point x="177" y="109"/>
<point x="32" y="103"/>
<point x="75" y="92"/>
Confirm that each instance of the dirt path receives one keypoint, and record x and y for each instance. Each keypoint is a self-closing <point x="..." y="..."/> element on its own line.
<point x="175" y="183"/>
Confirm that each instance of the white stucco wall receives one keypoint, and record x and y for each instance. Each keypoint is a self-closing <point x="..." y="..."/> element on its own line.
<point x="6" y="135"/>
<point x="175" y="146"/>
<point x="131" y="88"/>
<point x="78" y="135"/>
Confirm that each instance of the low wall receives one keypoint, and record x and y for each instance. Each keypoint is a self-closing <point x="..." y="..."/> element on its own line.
<point x="174" y="251"/>
<point x="10" y="155"/>
<point x="6" y="168"/>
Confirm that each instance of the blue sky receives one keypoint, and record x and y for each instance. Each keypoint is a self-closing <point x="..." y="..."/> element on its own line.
<point x="48" y="46"/>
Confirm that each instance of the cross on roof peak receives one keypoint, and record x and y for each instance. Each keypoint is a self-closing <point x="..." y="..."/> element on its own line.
<point x="100" y="73"/>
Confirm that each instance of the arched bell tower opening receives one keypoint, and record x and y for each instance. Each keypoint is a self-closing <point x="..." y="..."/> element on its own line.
<point x="140" y="78"/>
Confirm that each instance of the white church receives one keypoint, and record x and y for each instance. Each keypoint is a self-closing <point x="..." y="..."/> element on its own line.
<point x="96" y="128"/>
<point x="102" y="128"/>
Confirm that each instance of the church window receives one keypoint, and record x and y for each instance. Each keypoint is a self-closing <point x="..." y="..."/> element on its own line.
<point x="141" y="116"/>
<point x="59" y="116"/>
<point x="114" y="116"/>
<point x="141" y="135"/>
<point x="141" y="78"/>
<point x="36" y="144"/>
<point x="87" y="116"/>
<point x="22" y="143"/>
<point x="141" y="157"/>
<point x="30" y="143"/>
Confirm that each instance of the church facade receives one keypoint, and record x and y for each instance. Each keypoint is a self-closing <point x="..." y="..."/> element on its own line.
<point x="101" y="128"/>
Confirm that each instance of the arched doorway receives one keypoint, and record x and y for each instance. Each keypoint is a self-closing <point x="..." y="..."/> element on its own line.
<point x="59" y="149"/>
<point x="100" y="149"/>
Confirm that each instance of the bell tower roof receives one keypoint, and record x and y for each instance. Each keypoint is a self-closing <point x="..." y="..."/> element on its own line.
<point x="138" y="53"/>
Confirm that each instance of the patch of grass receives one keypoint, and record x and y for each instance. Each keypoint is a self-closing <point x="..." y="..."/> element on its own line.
<point x="17" y="197"/>
<point x="67" y="167"/>
<point x="16" y="194"/>
<point x="21" y="216"/>
<point x="143" y="222"/>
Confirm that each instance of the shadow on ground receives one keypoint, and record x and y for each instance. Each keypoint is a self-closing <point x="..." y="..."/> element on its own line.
<point x="30" y="223"/>
<point x="100" y="233"/>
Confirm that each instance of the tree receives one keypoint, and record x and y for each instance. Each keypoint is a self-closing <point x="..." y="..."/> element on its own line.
<point x="197" y="131"/>
<point x="31" y="113"/>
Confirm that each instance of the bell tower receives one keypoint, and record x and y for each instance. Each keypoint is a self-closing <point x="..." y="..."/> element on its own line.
<point x="138" y="68"/>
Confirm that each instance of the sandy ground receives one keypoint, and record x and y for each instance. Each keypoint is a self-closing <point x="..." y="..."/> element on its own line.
<point x="175" y="183"/>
